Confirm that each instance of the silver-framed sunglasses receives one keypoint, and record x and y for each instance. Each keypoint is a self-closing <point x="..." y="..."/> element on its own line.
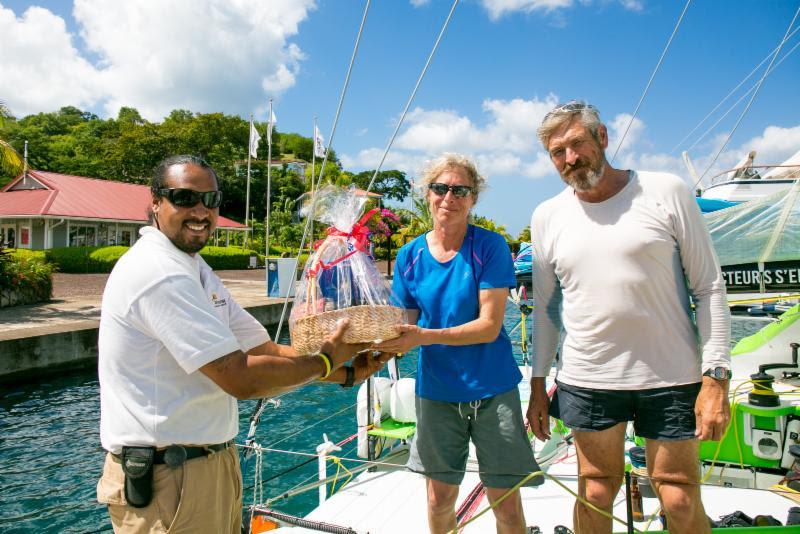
<point x="573" y="106"/>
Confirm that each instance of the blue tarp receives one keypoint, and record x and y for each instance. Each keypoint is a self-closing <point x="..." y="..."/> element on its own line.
<point x="707" y="205"/>
<point x="523" y="262"/>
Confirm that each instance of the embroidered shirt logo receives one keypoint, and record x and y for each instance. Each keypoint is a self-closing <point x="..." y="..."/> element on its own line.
<point x="217" y="301"/>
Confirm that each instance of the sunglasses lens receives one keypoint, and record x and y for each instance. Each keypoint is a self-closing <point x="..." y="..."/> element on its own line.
<point x="461" y="190"/>
<point x="183" y="197"/>
<point x="439" y="189"/>
<point x="212" y="199"/>
<point x="187" y="198"/>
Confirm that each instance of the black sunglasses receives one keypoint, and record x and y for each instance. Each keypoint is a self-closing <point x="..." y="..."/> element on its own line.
<point x="459" y="191"/>
<point x="188" y="198"/>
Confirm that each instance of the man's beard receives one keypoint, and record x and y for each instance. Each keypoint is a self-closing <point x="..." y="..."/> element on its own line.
<point x="585" y="181"/>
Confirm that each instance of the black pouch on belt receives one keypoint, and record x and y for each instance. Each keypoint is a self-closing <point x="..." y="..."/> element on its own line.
<point x="137" y="464"/>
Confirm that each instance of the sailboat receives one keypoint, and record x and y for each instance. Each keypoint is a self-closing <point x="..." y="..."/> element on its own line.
<point x="758" y="244"/>
<point x="747" y="181"/>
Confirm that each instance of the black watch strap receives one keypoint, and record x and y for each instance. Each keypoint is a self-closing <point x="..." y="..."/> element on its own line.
<point x="350" y="377"/>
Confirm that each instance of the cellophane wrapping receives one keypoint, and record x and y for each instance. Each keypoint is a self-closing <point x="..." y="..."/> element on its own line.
<point x="340" y="279"/>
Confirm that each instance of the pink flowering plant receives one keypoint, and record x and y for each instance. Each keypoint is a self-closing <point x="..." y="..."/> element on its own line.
<point x="382" y="225"/>
<point x="385" y="222"/>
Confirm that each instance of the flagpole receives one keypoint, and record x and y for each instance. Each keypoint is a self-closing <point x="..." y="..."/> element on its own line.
<point x="313" y="173"/>
<point x="269" y="176"/>
<point x="247" y="197"/>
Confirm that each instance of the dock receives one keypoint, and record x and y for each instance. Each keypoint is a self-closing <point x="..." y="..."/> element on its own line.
<point x="38" y="340"/>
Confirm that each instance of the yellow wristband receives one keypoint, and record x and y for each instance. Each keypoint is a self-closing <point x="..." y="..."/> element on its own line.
<point x="327" y="361"/>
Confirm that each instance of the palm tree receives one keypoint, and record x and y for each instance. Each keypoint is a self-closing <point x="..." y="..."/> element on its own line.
<point x="10" y="160"/>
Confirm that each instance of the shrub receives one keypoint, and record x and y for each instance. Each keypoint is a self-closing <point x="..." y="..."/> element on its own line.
<point x="85" y="259"/>
<point x="25" y="254"/>
<point x="27" y="274"/>
<point x="103" y="259"/>
<point x="221" y="258"/>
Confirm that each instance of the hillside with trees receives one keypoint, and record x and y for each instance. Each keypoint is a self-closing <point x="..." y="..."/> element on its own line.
<point x="128" y="147"/>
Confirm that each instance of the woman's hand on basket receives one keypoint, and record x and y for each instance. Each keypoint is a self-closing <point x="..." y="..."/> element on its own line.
<point x="368" y="363"/>
<point x="411" y="336"/>
<point x="339" y="351"/>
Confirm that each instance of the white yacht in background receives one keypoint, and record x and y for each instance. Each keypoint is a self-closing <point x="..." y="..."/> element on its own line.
<point x="749" y="182"/>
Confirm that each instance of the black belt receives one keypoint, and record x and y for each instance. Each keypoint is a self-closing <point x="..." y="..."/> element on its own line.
<point x="176" y="455"/>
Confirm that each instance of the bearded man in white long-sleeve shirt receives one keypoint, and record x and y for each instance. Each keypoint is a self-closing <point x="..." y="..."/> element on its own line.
<point x="618" y="256"/>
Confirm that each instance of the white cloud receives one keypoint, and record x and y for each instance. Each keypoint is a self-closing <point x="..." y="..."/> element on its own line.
<point x="420" y="3"/>
<point x="203" y="55"/>
<point x="617" y="128"/>
<point x="506" y="146"/>
<point x="41" y="68"/>
<point x="499" y="8"/>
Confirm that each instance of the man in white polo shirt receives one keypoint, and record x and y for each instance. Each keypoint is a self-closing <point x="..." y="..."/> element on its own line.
<point x="175" y="354"/>
<point x="617" y="255"/>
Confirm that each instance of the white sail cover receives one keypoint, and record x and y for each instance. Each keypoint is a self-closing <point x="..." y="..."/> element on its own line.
<point x="759" y="237"/>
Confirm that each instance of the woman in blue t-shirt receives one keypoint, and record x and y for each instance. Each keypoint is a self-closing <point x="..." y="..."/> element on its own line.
<point x="454" y="281"/>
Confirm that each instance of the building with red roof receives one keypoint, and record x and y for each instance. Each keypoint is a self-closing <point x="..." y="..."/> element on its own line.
<point x="41" y="210"/>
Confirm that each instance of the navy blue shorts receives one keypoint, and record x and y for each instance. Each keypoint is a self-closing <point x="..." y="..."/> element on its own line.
<point x="661" y="413"/>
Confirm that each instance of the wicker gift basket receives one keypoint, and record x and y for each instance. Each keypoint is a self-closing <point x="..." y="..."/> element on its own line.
<point x="340" y="280"/>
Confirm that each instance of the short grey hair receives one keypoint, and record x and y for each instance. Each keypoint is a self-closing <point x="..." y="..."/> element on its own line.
<point x="587" y="114"/>
<point x="448" y="161"/>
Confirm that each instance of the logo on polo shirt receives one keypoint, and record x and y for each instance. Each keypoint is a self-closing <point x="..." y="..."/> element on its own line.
<point x="217" y="301"/>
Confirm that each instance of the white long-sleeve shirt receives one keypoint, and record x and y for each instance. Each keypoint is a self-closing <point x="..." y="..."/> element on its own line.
<point x="614" y="275"/>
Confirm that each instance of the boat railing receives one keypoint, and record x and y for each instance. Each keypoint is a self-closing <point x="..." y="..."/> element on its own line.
<point x="758" y="172"/>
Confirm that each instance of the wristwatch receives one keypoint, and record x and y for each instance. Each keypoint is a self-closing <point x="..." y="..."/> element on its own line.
<point x="718" y="373"/>
<point x="350" y="377"/>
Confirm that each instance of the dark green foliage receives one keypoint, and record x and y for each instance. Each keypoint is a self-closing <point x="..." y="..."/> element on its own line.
<point x="393" y="184"/>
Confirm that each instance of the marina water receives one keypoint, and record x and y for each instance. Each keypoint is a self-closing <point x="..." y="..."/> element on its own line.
<point x="50" y="455"/>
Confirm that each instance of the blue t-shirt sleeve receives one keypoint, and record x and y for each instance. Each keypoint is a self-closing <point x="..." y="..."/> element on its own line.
<point x="497" y="267"/>
<point x="400" y="289"/>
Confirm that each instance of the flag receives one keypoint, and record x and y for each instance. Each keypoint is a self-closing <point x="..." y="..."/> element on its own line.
<point x="319" y="143"/>
<point x="270" y="126"/>
<point x="254" y="139"/>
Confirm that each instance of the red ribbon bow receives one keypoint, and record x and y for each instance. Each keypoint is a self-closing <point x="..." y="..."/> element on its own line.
<point x="358" y="236"/>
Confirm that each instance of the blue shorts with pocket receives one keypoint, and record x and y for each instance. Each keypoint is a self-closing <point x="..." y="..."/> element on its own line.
<point x="665" y="414"/>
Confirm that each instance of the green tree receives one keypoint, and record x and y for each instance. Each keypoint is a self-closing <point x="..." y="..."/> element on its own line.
<point x="10" y="160"/>
<point x="488" y="224"/>
<point x="392" y="184"/>
<point x="525" y="234"/>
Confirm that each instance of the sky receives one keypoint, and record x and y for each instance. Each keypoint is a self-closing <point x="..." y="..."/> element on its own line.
<point x="500" y="66"/>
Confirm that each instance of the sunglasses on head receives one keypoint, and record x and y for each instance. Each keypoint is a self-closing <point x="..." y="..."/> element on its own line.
<point x="570" y="107"/>
<point x="188" y="198"/>
<point x="459" y="191"/>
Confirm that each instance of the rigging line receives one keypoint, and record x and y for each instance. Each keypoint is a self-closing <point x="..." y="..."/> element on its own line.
<point x="306" y="484"/>
<point x="305" y="428"/>
<point x="752" y="98"/>
<point x="315" y="185"/>
<point x="261" y="402"/>
<point x="650" y="81"/>
<point x="733" y="106"/>
<point x="731" y="93"/>
<point x="413" y="94"/>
